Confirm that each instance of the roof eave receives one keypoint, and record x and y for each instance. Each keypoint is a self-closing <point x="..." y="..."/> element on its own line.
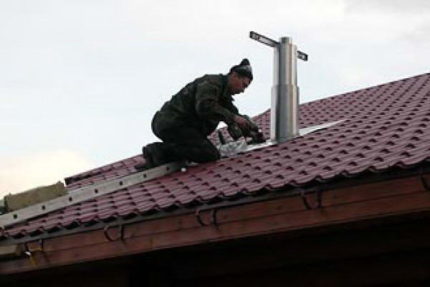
<point x="368" y="202"/>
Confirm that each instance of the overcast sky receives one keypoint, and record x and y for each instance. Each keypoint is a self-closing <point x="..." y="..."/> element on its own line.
<point x="80" y="80"/>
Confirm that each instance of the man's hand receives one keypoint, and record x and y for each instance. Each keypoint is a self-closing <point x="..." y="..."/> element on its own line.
<point x="243" y="126"/>
<point x="243" y="123"/>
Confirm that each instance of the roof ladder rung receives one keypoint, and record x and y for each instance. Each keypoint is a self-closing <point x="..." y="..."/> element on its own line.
<point x="87" y="193"/>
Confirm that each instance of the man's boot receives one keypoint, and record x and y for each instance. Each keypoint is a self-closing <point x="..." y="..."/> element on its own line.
<point x="153" y="155"/>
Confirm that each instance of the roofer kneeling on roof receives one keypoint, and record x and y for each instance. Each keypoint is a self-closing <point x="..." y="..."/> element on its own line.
<point x="184" y="122"/>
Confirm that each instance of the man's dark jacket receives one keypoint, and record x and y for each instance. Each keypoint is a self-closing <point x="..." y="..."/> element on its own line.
<point x="201" y="104"/>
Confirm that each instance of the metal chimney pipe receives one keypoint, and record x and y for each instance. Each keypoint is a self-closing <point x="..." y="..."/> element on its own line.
<point x="284" y="115"/>
<point x="285" y="93"/>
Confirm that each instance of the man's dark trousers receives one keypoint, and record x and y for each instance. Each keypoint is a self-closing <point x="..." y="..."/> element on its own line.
<point x="184" y="143"/>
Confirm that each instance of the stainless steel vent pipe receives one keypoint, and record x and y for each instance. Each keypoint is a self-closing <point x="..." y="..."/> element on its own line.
<point x="284" y="113"/>
<point x="285" y="93"/>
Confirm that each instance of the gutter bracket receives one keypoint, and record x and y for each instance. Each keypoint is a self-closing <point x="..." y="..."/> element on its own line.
<point x="318" y="193"/>
<point x="120" y="233"/>
<point x="213" y="217"/>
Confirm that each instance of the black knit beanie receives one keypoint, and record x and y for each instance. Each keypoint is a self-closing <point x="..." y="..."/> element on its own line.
<point x="243" y="69"/>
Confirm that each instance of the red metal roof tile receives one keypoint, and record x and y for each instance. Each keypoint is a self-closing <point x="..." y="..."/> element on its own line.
<point x="385" y="127"/>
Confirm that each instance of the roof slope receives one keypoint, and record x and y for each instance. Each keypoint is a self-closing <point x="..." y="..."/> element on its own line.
<point x="385" y="126"/>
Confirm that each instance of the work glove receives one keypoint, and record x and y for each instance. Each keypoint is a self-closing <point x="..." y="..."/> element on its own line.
<point x="245" y="127"/>
<point x="253" y="131"/>
<point x="235" y="131"/>
<point x="238" y="128"/>
<point x="249" y="127"/>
